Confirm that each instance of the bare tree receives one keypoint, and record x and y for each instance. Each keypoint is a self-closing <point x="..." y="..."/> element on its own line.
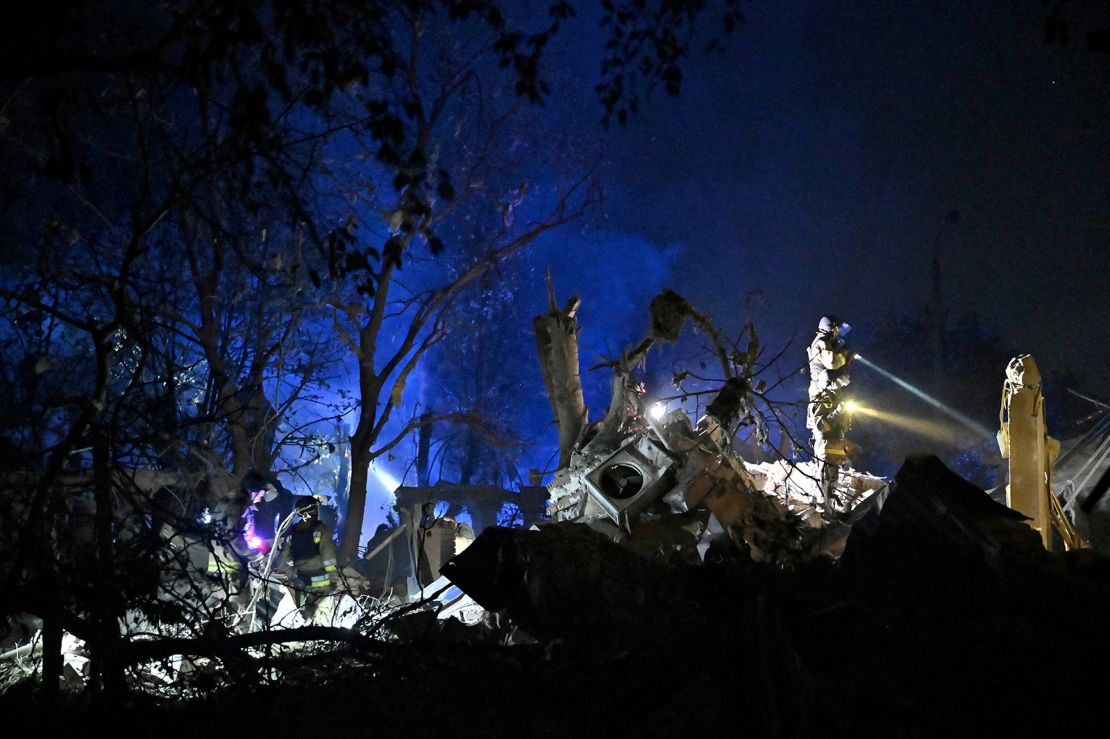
<point x="172" y="210"/>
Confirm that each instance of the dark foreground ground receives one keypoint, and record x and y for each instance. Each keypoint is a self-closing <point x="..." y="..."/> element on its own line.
<point x="944" y="618"/>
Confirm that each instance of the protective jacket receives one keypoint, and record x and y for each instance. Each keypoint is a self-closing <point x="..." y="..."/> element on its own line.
<point x="308" y="553"/>
<point x="828" y="364"/>
<point x="829" y="358"/>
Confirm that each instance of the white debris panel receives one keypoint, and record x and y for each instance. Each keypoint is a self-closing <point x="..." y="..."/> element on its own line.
<point x="798" y="487"/>
<point x="673" y="487"/>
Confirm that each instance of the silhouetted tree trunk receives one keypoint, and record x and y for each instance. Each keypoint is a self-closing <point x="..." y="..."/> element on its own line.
<point x="52" y="662"/>
<point x="106" y="652"/>
<point x="557" y="343"/>
<point x="423" y="452"/>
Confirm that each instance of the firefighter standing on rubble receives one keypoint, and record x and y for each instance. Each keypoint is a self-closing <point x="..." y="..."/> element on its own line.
<point x="307" y="560"/>
<point x="826" y="415"/>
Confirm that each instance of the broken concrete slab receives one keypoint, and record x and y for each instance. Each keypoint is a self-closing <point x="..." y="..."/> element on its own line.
<point x="775" y="512"/>
<point x="797" y="484"/>
<point x="582" y="594"/>
<point x="943" y="603"/>
<point x="936" y="520"/>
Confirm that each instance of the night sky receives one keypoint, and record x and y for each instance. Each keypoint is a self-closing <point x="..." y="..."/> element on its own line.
<point x="816" y="162"/>
<point x="816" y="166"/>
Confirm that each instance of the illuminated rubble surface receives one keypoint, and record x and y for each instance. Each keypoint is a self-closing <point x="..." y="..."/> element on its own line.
<point x="944" y="616"/>
<point x="671" y="489"/>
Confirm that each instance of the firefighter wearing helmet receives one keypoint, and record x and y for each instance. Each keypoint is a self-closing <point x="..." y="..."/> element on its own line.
<point x="826" y="416"/>
<point x="308" y="559"/>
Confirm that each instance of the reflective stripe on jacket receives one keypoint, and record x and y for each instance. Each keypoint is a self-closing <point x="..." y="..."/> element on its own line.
<point x="311" y="552"/>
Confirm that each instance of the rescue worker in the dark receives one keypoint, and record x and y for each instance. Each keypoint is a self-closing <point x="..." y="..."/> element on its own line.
<point x="267" y="504"/>
<point x="307" y="559"/>
<point x="826" y="416"/>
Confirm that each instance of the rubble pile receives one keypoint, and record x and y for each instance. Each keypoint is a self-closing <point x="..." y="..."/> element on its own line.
<point x="956" y="616"/>
<point x="944" y="616"/>
<point x="664" y="486"/>
<point x="672" y="488"/>
<point x="797" y="484"/>
<point x="675" y="590"/>
<point x="945" y="609"/>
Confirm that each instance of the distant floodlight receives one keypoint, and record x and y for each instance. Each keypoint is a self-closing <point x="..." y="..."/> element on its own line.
<point x="657" y="411"/>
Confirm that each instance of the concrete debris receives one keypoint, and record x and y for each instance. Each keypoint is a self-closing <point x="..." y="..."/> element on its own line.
<point x="582" y="594"/>
<point x="337" y="609"/>
<point x="452" y="602"/>
<point x="405" y="560"/>
<point x="942" y="604"/>
<point x="798" y="486"/>
<point x="936" y="521"/>
<point x="666" y="487"/>
<point x="943" y="610"/>
<point x="25" y="662"/>
<point x="568" y="581"/>
<point x="660" y="487"/>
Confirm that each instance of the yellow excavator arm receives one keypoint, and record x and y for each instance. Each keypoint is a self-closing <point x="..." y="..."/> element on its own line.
<point x="1023" y="440"/>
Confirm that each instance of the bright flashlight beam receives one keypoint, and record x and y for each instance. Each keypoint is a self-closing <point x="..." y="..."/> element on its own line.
<point x="970" y="423"/>
<point x="388" y="481"/>
<point x="929" y="429"/>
